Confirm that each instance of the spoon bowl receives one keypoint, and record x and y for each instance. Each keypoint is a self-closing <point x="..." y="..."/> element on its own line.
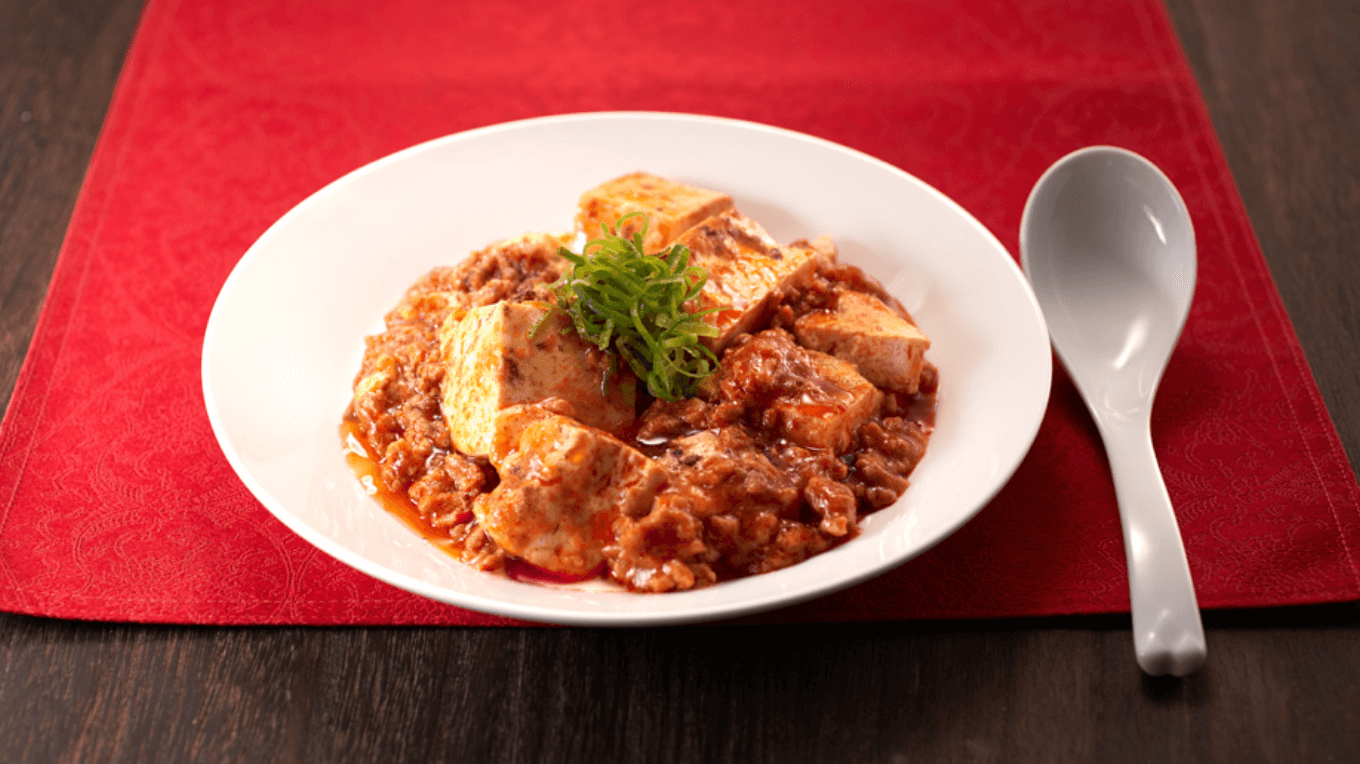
<point x="1109" y="249"/>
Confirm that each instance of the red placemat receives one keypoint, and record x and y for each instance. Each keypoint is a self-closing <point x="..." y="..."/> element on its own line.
<point x="116" y="504"/>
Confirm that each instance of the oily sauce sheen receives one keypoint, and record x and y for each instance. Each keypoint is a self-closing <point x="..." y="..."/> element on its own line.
<point x="452" y="538"/>
<point x="773" y="461"/>
<point x="358" y="454"/>
<point x="746" y="492"/>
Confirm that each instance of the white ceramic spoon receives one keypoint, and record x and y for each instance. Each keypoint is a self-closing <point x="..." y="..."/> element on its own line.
<point x="1110" y="251"/>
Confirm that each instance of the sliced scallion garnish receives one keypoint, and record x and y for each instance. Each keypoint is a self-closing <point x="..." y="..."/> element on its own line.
<point x="630" y="303"/>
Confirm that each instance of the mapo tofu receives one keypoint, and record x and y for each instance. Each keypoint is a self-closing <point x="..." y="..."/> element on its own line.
<point x="510" y="429"/>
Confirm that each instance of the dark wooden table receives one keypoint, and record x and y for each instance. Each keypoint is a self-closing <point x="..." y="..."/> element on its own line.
<point x="1282" y="80"/>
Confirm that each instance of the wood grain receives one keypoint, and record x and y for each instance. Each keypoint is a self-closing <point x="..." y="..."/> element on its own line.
<point x="1282" y="82"/>
<point x="1280" y="79"/>
<point x="58" y="66"/>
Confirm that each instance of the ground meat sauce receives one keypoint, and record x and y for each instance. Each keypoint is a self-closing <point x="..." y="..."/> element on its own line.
<point x="742" y="496"/>
<point x="396" y="432"/>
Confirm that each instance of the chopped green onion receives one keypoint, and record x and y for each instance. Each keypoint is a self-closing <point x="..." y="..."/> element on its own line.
<point x="622" y="300"/>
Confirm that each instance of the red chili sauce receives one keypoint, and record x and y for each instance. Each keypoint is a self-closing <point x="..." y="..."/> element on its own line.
<point x="742" y="497"/>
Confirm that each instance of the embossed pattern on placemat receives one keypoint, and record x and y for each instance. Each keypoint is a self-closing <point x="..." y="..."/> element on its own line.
<point x="115" y="503"/>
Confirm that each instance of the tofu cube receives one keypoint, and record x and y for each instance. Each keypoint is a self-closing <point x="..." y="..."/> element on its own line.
<point x="672" y="208"/>
<point x="745" y="270"/>
<point x="491" y="363"/>
<point x="562" y="486"/>
<point x="885" y="348"/>
<point x="813" y="399"/>
<point x="826" y="413"/>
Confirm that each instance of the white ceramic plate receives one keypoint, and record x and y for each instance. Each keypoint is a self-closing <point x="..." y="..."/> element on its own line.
<point x="286" y="334"/>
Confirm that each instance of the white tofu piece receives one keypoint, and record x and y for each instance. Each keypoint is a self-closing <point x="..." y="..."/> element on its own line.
<point x="885" y="348"/>
<point x="672" y="208"/>
<point x="562" y="486"/>
<point x="490" y="363"/>
<point x="817" y="400"/>
<point x="827" y="418"/>
<point x="746" y="268"/>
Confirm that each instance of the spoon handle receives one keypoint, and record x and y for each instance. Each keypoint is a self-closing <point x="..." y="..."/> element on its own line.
<point x="1168" y="637"/>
